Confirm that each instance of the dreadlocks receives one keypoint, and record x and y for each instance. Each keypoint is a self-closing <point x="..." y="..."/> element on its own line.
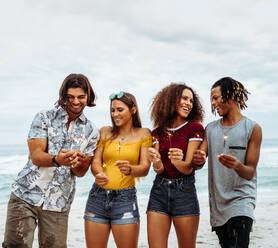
<point x="232" y="90"/>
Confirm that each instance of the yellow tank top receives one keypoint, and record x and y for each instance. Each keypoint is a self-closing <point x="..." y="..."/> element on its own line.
<point x="113" y="151"/>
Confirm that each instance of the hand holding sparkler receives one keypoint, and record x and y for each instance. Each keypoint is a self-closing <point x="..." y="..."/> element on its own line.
<point x="124" y="166"/>
<point x="153" y="155"/>
<point x="155" y="159"/>
<point x="175" y="155"/>
<point x="101" y="179"/>
<point x="229" y="161"/>
<point x="199" y="159"/>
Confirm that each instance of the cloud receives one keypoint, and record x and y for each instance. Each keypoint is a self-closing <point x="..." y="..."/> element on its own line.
<point x="137" y="47"/>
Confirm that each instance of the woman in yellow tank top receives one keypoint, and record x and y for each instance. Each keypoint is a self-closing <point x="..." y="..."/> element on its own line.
<point x="120" y="157"/>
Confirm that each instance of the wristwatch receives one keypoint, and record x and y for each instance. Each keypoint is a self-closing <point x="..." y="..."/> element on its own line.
<point x="55" y="164"/>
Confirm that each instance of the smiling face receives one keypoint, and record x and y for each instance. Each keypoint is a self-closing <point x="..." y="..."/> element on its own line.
<point x="76" y="101"/>
<point x="120" y="113"/>
<point x="217" y="101"/>
<point x="186" y="104"/>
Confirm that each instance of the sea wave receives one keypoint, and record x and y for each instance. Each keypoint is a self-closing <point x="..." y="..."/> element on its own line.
<point x="269" y="150"/>
<point x="12" y="164"/>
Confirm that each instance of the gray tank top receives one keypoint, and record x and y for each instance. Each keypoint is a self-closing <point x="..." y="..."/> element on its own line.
<point x="229" y="194"/>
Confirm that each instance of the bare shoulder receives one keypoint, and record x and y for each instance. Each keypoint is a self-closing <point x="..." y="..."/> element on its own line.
<point x="256" y="133"/>
<point x="143" y="132"/>
<point x="105" y="132"/>
<point x="257" y="128"/>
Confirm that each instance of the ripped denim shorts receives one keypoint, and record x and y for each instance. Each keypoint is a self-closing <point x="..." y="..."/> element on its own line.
<point x="113" y="207"/>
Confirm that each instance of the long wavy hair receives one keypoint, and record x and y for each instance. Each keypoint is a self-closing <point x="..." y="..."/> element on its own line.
<point x="232" y="89"/>
<point x="164" y="106"/>
<point x="76" y="81"/>
<point x="129" y="100"/>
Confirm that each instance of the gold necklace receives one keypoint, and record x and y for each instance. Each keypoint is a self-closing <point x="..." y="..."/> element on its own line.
<point x="121" y="139"/>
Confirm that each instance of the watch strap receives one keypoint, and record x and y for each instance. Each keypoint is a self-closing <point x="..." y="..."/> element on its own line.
<point x="56" y="164"/>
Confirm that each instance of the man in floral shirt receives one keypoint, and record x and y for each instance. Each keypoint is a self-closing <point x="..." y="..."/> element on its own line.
<point x="61" y="145"/>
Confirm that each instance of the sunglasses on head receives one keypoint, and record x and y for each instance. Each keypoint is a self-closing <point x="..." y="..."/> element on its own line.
<point x="118" y="96"/>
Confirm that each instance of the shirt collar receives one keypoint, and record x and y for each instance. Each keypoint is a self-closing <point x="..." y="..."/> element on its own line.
<point x="176" y="128"/>
<point x="82" y="117"/>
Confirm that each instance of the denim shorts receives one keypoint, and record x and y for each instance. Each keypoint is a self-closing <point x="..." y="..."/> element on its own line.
<point x="174" y="197"/>
<point x="113" y="207"/>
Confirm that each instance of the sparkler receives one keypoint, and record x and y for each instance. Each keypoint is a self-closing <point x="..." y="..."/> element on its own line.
<point x="169" y="137"/>
<point x="225" y="137"/>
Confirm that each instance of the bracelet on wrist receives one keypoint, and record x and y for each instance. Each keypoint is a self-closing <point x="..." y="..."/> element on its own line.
<point x="200" y="165"/>
<point x="157" y="169"/>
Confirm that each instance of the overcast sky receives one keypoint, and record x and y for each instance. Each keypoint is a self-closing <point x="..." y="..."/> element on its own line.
<point x="135" y="46"/>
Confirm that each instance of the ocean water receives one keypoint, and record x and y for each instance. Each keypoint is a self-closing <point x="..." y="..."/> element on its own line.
<point x="14" y="157"/>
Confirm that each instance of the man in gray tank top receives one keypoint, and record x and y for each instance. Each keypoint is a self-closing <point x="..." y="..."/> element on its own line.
<point x="232" y="145"/>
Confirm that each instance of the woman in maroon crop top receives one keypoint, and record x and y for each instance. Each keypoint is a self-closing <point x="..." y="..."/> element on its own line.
<point x="176" y="113"/>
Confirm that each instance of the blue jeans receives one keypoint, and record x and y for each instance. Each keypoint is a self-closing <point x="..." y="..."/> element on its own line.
<point x="113" y="207"/>
<point x="235" y="232"/>
<point x="174" y="197"/>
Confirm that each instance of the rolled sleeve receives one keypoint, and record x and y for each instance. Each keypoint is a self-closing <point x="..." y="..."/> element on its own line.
<point x="155" y="138"/>
<point x="92" y="143"/>
<point x="38" y="127"/>
<point x="197" y="132"/>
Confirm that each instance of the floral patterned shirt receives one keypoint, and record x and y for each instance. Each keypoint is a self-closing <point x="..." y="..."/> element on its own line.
<point x="54" y="187"/>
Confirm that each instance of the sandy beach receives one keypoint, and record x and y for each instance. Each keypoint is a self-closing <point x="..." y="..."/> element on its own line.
<point x="262" y="236"/>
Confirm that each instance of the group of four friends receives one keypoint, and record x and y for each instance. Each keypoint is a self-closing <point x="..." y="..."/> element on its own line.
<point x="63" y="144"/>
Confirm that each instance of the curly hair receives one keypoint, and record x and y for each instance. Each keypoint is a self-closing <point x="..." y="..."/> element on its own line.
<point x="164" y="106"/>
<point x="76" y="81"/>
<point x="232" y="90"/>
